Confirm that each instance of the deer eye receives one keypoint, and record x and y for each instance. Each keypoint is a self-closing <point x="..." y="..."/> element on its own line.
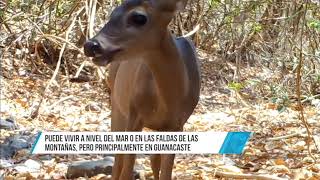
<point x="137" y="19"/>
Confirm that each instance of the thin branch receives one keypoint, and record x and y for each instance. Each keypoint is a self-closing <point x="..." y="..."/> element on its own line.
<point x="298" y="87"/>
<point x="246" y="176"/>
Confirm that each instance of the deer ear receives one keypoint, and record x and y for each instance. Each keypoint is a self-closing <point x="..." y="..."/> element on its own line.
<point x="169" y="5"/>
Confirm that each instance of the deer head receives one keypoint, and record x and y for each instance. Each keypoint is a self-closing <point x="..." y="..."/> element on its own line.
<point x="134" y="26"/>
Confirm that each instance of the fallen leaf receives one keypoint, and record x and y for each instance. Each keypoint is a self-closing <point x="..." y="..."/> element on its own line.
<point x="280" y="162"/>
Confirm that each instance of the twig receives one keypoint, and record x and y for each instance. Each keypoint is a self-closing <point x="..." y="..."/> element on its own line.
<point x="80" y="69"/>
<point x="91" y="11"/>
<point x="12" y="17"/>
<point x="242" y="99"/>
<point x="69" y="17"/>
<point x="93" y="6"/>
<point x="298" y="89"/>
<point x="310" y="98"/>
<point x="59" y="101"/>
<point x="195" y="29"/>
<point x="36" y="112"/>
<point x="246" y="176"/>
<point x="52" y="38"/>
<point x="287" y="136"/>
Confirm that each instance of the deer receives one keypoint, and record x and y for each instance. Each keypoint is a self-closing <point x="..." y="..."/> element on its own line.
<point x="154" y="76"/>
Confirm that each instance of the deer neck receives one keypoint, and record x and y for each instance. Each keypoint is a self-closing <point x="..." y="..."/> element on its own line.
<point x="169" y="71"/>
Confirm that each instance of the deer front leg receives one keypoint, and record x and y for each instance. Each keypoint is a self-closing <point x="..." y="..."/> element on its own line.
<point x="134" y="124"/>
<point x="155" y="165"/>
<point x="117" y="166"/>
<point x="117" y="124"/>
<point x="167" y="161"/>
<point x="128" y="165"/>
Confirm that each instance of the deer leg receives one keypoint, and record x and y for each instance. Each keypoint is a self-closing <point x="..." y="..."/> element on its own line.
<point x="117" y="124"/>
<point x="128" y="165"/>
<point x="155" y="165"/>
<point x="134" y="124"/>
<point x="167" y="161"/>
<point x="117" y="166"/>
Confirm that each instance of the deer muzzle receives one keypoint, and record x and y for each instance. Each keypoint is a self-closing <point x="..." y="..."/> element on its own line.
<point x="100" y="55"/>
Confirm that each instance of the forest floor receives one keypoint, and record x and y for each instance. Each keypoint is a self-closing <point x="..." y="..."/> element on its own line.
<point x="277" y="149"/>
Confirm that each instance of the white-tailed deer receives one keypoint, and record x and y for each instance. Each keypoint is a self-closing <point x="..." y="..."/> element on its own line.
<point x="154" y="77"/>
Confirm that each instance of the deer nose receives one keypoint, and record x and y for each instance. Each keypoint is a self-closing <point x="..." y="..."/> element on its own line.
<point x="92" y="48"/>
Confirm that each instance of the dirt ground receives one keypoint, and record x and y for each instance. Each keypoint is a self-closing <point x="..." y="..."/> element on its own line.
<point x="277" y="149"/>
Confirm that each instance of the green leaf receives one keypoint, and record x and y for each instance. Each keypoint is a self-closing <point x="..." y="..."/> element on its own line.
<point x="257" y="28"/>
<point x="314" y="24"/>
<point x="213" y="3"/>
<point x="236" y="86"/>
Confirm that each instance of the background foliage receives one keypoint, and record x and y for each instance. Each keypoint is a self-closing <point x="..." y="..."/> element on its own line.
<point x="268" y="34"/>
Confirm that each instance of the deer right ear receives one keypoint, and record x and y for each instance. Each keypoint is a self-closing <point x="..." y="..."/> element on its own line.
<point x="169" y="5"/>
